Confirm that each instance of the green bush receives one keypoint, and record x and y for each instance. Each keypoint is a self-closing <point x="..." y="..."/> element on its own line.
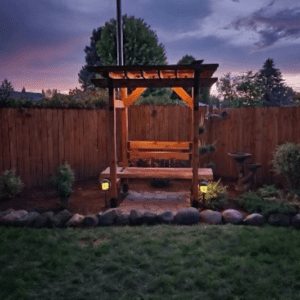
<point x="216" y="195"/>
<point x="63" y="182"/>
<point x="252" y="202"/>
<point x="268" y="191"/>
<point x="286" y="162"/>
<point x="10" y="185"/>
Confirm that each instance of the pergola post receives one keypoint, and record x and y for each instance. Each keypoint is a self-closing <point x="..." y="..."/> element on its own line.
<point x="124" y="120"/>
<point x="195" y="159"/>
<point x="113" y="139"/>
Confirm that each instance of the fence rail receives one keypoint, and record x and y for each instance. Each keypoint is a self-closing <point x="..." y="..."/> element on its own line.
<point x="36" y="141"/>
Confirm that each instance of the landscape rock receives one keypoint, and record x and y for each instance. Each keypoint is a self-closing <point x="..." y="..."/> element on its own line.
<point x="279" y="220"/>
<point x="210" y="217"/>
<point x="75" y="221"/>
<point x="90" y="221"/>
<point x="136" y="216"/>
<point x="123" y="219"/>
<point x="28" y="220"/>
<point x="167" y="217"/>
<point x="254" y="220"/>
<point x="149" y="218"/>
<point x="44" y="220"/>
<point x="4" y="213"/>
<point x="187" y="216"/>
<point x="61" y="218"/>
<point x="296" y="221"/>
<point x="232" y="216"/>
<point x="11" y="218"/>
<point x="109" y="217"/>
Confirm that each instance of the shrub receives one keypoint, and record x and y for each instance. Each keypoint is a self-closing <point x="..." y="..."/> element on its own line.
<point x="253" y="203"/>
<point x="216" y="195"/>
<point x="286" y="162"/>
<point x="10" y="185"/>
<point x="267" y="191"/>
<point x="63" y="182"/>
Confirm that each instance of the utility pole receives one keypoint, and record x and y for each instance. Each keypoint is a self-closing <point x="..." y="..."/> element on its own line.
<point x="119" y="35"/>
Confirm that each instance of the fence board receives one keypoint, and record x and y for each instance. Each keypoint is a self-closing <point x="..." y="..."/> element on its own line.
<point x="44" y="144"/>
<point x="5" y="145"/>
<point x="32" y="147"/>
<point x="55" y="140"/>
<point x="12" y="138"/>
<point x="1" y="142"/>
<point x="81" y="143"/>
<point x="50" y="142"/>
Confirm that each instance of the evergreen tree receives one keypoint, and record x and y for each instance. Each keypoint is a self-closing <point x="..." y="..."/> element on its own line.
<point x="91" y="59"/>
<point x="5" y="90"/>
<point x="140" y="44"/>
<point x="140" y="47"/>
<point x="43" y="93"/>
<point x="276" y="93"/>
<point x="23" y="90"/>
<point x="186" y="60"/>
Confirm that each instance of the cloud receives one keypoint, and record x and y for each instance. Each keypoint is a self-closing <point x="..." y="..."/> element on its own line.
<point x="271" y="23"/>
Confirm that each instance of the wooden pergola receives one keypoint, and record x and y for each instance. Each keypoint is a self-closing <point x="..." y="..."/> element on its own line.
<point x="139" y="78"/>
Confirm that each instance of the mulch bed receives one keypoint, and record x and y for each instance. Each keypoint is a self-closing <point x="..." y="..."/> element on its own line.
<point x="88" y="197"/>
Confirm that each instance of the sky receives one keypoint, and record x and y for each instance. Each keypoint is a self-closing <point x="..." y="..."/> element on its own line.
<point x="42" y="42"/>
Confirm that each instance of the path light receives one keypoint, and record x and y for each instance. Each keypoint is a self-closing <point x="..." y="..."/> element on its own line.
<point x="105" y="186"/>
<point x="203" y="189"/>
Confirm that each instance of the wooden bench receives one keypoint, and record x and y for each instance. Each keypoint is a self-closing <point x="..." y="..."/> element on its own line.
<point x="169" y="173"/>
<point x="159" y="150"/>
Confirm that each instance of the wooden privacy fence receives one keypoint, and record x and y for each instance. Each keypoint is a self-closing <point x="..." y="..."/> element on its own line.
<point x="36" y="141"/>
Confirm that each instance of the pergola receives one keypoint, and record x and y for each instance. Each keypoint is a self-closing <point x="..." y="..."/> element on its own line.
<point x="138" y="78"/>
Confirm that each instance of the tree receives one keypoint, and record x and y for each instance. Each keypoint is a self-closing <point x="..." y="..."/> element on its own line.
<point x="5" y="90"/>
<point x="43" y="93"/>
<point x="140" y="44"/>
<point x="276" y="93"/>
<point x="23" y="90"/>
<point x="91" y="59"/>
<point x="186" y="60"/>
<point x="140" y="47"/>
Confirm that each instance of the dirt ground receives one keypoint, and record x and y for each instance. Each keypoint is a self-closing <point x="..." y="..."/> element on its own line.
<point x="88" y="197"/>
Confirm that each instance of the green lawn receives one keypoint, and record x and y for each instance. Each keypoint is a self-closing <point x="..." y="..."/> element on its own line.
<point x="159" y="262"/>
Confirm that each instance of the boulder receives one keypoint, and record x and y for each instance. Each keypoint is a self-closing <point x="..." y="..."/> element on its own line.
<point x="136" y="216"/>
<point x="90" y="221"/>
<point x="254" y="220"/>
<point x="75" y="221"/>
<point x="4" y="213"/>
<point x="123" y="219"/>
<point x="232" y="216"/>
<point x="109" y="217"/>
<point x="44" y="220"/>
<point x="210" y="217"/>
<point x="149" y="218"/>
<point x="12" y="217"/>
<point x="279" y="220"/>
<point x="187" y="216"/>
<point x="167" y="217"/>
<point x="61" y="218"/>
<point x="296" y="221"/>
<point x="28" y="220"/>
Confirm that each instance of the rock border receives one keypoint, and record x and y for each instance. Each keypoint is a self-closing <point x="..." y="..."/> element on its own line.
<point x="117" y="217"/>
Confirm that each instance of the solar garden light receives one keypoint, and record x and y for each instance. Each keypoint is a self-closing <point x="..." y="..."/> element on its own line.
<point x="203" y="189"/>
<point x="105" y="185"/>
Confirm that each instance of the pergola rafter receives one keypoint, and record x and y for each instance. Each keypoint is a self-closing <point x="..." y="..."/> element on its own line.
<point x="139" y="78"/>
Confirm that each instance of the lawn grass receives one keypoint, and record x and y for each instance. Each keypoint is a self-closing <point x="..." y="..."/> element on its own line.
<point x="159" y="262"/>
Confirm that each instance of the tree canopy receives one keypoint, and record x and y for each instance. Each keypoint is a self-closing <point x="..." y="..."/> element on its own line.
<point x="264" y="88"/>
<point x="5" y="90"/>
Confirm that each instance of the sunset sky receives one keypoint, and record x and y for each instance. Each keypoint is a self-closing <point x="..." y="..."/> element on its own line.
<point x="42" y="41"/>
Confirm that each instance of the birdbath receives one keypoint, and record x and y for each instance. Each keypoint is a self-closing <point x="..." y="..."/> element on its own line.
<point x="239" y="159"/>
<point x="252" y="168"/>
